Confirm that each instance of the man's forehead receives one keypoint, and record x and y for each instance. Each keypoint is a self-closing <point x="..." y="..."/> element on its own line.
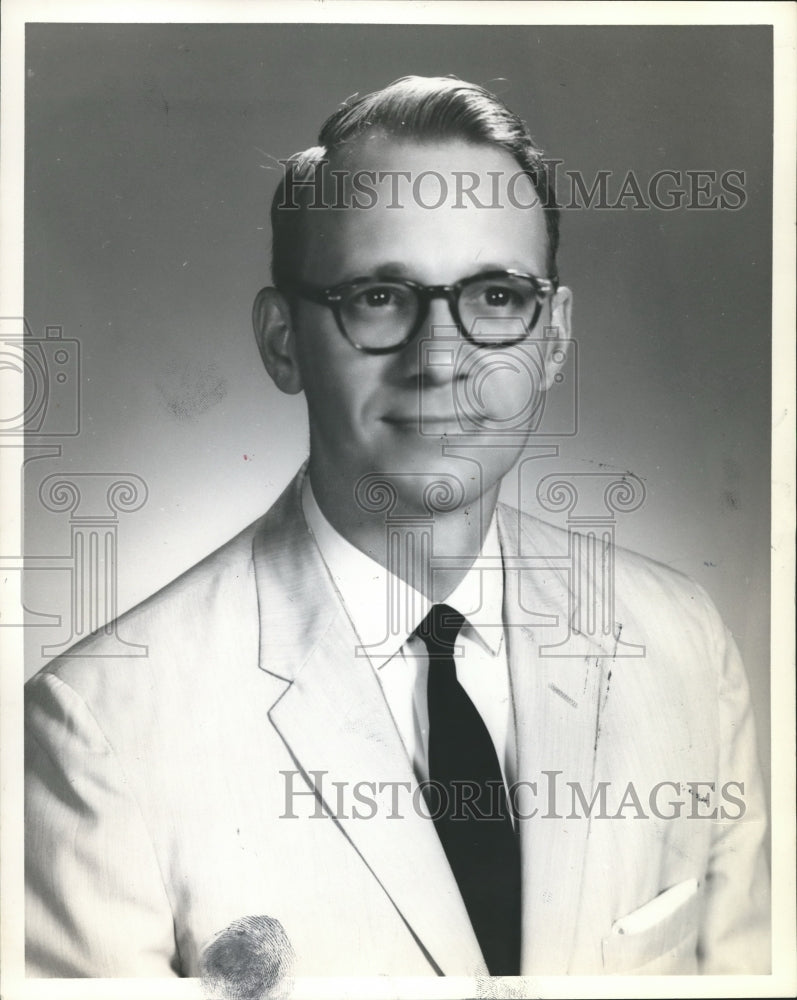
<point x="398" y="161"/>
<point x="422" y="204"/>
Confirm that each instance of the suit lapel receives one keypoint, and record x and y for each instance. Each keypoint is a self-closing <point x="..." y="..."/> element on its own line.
<point x="557" y="703"/>
<point x="334" y="719"/>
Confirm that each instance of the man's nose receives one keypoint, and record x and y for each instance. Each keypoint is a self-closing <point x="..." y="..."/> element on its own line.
<point x="435" y="353"/>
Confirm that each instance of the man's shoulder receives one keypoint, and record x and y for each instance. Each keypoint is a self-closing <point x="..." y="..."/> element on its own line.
<point x="203" y="595"/>
<point x="213" y="578"/>
<point x="209" y="607"/>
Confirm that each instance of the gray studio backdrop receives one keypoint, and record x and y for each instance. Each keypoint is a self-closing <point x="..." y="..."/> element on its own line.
<point x="151" y="158"/>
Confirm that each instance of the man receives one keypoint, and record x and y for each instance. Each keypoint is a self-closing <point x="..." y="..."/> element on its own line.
<point x="362" y="742"/>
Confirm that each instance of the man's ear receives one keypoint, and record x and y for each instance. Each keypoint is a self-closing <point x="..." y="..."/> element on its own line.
<point x="557" y="334"/>
<point x="271" y="318"/>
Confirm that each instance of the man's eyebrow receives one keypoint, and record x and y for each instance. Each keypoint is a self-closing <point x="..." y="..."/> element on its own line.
<point x="398" y="270"/>
<point x="511" y="265"/>
<point x="382" y="272"/>
<point x="390" y="269"/>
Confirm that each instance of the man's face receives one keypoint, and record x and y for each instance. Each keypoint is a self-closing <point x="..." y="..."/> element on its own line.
<point x="394" y="414"/>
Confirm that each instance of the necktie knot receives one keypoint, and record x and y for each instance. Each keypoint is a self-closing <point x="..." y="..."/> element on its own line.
<point x="439" y="630"/>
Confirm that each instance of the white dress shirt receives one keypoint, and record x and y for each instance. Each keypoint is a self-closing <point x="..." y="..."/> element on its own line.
<point x="400" y="658"/>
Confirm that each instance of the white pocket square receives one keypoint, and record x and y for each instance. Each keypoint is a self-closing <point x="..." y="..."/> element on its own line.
<point x="659" y="937"/>
<point x="656" y="909"/>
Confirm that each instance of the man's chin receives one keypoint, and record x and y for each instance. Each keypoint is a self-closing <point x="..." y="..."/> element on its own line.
<point x="431" y="485"/>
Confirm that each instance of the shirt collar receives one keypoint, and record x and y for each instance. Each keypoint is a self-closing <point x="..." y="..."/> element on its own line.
<point x="368" y="590"/>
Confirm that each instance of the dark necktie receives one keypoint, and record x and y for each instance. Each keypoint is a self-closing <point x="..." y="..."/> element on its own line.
<point x="468" y="801"/>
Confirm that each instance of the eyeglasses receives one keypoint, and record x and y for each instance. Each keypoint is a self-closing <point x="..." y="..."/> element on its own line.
<point x="493" y="309"/>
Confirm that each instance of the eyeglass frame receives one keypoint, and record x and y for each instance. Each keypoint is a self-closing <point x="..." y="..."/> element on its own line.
<point x="332" y="296"/>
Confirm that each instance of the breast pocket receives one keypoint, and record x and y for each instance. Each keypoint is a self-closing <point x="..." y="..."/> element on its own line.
<point x="659" y="938"/>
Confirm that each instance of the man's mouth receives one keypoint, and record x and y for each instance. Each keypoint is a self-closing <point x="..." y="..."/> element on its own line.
<point x="418" y="420"/>
<point x="438" y="422"/>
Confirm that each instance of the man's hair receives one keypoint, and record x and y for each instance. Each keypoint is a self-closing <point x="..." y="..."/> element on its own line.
<point x="423" y="109"/>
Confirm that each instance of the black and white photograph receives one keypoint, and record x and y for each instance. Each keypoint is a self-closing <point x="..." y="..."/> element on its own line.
<point x="398" y="500"/>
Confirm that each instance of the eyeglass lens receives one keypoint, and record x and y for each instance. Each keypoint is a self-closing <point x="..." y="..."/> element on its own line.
<point x="383" y="313"/>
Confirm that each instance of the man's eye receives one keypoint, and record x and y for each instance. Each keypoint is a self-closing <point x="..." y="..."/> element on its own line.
<point x="498" y="296"/>
<point x="376" y="298"/>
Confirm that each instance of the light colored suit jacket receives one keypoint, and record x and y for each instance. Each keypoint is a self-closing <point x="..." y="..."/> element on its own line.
<point x="164" y="794"/>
